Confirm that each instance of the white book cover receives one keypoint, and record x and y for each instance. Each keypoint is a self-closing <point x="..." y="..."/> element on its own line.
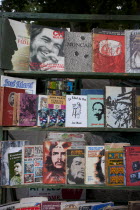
<point x="42" y="118"/>
<point x="14" y="82"/>
<point x="95" y="165"/>
<point x="76" y="111"/>
<point x="74" y="205"/>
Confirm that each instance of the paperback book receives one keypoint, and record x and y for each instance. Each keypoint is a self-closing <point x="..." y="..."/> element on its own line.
<point x="43" y="111"/>
<point x="108" y="51"/>
<point x="78" y="52"/>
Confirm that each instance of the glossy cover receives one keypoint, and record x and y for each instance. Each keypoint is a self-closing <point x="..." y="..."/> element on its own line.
<point x="108" y="51"/>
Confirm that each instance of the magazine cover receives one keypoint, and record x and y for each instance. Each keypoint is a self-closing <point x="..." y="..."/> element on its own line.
<point x="57" y="110"/>
<point x="95" y="164"/>
<point x="76" y="111"/>
<point x="132" y="57"/>
<point x="43" y="111"/>
<point x="32" y="161"/>
<point x="54" y="162"/>
<point x="108" y="51"/>
<point x="7" y="147"/>
<point x="132" y="165"/>
<point x="15" y="168"/>
<point x="46" y="49"/>
<point x="95" y="113"/>
<point x="14" y="82"/>
<point x="15" y="42"/>
<point x="119" y="108"/>
<point x="78" y="52"/>
<point x="7" y="104"/>
<point x="75" y="166"/>
<point x="25" y="109"/>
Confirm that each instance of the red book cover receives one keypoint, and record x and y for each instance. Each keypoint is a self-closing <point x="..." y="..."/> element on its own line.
<point x="108" y="51"/>
<point x="7" y="103"/>
<point x="51" y="205"/>
<point x="54" y="162"/>
<point x="132" y="165"/>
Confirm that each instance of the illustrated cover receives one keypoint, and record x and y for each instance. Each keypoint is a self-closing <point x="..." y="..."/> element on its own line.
<point x="7" y="103"/>
<point x="73" y="205"/>
<point x="54" y="162"/>
<point x="95" y="164"/>
<point x="32" y="158"/>
<point x="57" y="110"/>
<point x="47" y="48"/>
<point x="119" y="107"/>
<point x="108" y="51"/>
<point x="132" y="165"/>
<point x="102" y="206"/>
<point x="78" y="52"/>
<point x="92" y="92"/>
<point x="43" y="111"/>
<point x="15" y="168"/>
<point x="75" y="166"/>
<point x="76" y="111"/>
<point x="115" y="172"/>
<point x="9" y="146"/>
<point x="15" y="42"/>
<point x="132" y="47"/>
<point x="22" y="83"/>
<point x="137" y="107"/>
<point x="25" y="109"/>
<point x="51" y="205"/>
<point x="95" y="110"/>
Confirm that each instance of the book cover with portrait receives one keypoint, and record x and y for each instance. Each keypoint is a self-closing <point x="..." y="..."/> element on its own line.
<point x="46" y="49"/>
<point x="132" y="51"/>
<point x="95" y="164"/>
<point x="119" y="107"/>
<point x="16" y="44"/>
<point x="54" y="161"/>
<point x="78" y="52"/>
<point x="108" y="51"/>
<point x="32" y="161"/>
<point x="95" y="113"/>
<point x="75" y="166"/>
<point x="25" y="109"/>
<point x="7" y="96"/>
<point x="76" y="111"/>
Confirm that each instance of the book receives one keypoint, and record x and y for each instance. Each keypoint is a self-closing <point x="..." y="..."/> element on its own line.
<point x="102" y="206"/>
<point x="43" y="111"/>
<point x="133" y="205"/>
<point x="132" y="47"/>
<point x="114" y="163"/>
<point x="22" y="83"/>
<point x="108" y="51"/>
<point x="57" y="110"/>
<point x="95" y="110"/>
<point x="54" y="162"/>
<point x="9" y="206"/>
<point x="15" y="168"/>
<point x="46" y="49"/>
<point x="92" y="92"/>
<point x="119" y="107"/>
<point x="76" y="111"/>
<point x="32" y="160"/>
<point x="78" y="51"/>
<point x="95" y="164"/>
<point x="25" y="109"/>
<point x="51" y="205"/>
<point x="75" y="163"/>
<point x="9" y="146"/>
<point x="88" y="206"/>
<point x="137" y="107"/>
<point x="73" y="205"/>
<point x="122" y="207"/>
<point x="15" y="45"/>
<point x="132" y="165"/>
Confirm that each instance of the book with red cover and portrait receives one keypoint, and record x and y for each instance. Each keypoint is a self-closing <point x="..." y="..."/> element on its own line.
<point x="6" y="104"/>
<point x="25" y="109"/>
<point x="108" y="51"/>
<point x="54" y="162"/>
<point x="132" y="165"/>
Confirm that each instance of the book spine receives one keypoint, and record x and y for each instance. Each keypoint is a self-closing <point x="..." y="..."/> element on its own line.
<point x="124" y="164"/>
<point x="15" y="110"/>
<point x="1" y="105"/>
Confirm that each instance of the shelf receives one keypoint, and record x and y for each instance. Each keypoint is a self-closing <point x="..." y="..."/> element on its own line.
<point x="64" y="186"/>
<point x="69" y="129"/>
<point x="82" y="75"/>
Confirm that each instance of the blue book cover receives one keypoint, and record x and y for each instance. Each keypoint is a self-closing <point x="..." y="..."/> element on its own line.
<point x="92" y="91"/>
<point x="102" y="206"/>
